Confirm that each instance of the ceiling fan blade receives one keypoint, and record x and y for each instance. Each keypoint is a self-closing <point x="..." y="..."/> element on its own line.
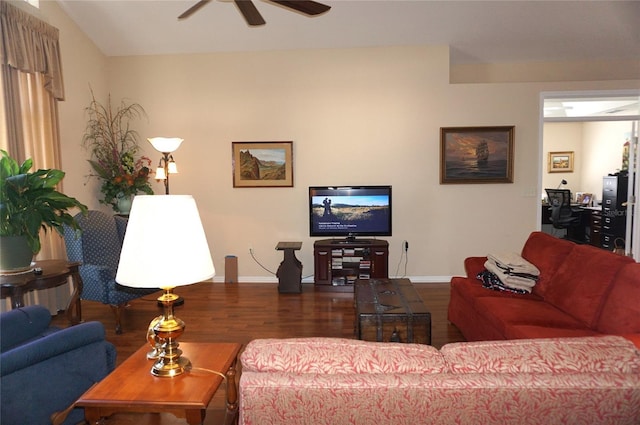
<point x="307" y="7"/>
<point x="193" y="9"/>
<point x="250" y="13"/>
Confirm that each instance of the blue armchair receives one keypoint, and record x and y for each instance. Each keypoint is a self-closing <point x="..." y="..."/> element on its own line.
<point x="45" y="369"/>
<point x="98" y="249"/>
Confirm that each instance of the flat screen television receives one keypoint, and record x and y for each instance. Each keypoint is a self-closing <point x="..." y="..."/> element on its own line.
<point x="350" y="211"/>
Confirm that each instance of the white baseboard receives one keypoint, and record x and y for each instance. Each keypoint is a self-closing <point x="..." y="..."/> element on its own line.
<point x="309" y="280"/>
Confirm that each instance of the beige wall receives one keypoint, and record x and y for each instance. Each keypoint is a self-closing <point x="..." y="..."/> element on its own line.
<point x="563" y="137"/>
<point x="85" y="68"/>
<point x="356" y="116"/>
<point x="597" y="148"/>
<point x="603" y="146"/>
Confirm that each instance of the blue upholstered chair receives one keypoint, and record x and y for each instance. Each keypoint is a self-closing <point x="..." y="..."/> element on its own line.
<point x="98" y="249"/>
<point x="45" y="369"/>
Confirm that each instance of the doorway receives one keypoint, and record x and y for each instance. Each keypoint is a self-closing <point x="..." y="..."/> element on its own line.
<point x="587" y="113"/>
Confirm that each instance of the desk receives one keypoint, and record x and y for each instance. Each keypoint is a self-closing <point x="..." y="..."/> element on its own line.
<point x="588" y="228"/>
<point x="54" y="273"/>
<point x="132" y="388"/>
<point x="290" y="270"/>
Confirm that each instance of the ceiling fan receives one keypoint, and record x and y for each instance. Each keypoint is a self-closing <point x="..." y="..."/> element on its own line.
<point x="253" y="17"/>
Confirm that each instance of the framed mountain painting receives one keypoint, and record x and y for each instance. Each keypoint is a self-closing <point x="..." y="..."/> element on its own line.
<point x="262" y="164"/>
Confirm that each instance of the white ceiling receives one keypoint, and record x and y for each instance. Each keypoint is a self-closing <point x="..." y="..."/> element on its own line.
<point x="476" y="31"/>
<point x="607" y="108"/>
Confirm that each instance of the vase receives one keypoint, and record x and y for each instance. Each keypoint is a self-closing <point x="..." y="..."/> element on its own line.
<point x="16" y="254"/>
<point x="124" y="204"/>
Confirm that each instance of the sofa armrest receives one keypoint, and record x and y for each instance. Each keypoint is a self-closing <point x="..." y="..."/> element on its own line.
<point x="474" y="265"/>
<point x="47" y="375"/>
<point x="22" y="324"/>
<point x="50" y="346"/>
<point x="339" y="356"/>
<point x="606" y="354"/>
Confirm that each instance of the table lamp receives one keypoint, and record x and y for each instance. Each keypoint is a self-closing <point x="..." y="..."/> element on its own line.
<point x="165" y="246"/>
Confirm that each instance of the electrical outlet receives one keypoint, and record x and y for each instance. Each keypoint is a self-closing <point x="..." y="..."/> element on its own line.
<point x="406" y="246"/>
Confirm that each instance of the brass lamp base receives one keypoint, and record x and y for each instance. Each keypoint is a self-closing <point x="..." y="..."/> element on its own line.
<point x="167" y="329"/>
<point x="152" y="339"/>
<point x="171" y="369"/>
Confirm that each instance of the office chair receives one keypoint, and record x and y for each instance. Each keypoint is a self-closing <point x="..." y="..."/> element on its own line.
<point x="562" y="215"/>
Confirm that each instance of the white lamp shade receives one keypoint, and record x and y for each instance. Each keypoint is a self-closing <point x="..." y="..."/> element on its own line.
<point x="160" y="174"/>
<point x="165" y="245"/>
<point x="165" y="144"/>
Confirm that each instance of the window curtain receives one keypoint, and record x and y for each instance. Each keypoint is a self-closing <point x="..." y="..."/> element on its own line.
<point x="32" y="85"/>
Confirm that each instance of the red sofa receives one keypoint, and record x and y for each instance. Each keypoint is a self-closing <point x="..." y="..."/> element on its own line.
<point x="581" y="291"/>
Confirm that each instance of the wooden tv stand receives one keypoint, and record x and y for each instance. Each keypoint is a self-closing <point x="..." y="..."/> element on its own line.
<point x="338" y="263"/>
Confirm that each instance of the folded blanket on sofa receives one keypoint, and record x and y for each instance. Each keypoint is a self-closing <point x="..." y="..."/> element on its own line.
<point x="513" y="264"/>
<point x="491" y="281"/>
<point x="511" y="281"/>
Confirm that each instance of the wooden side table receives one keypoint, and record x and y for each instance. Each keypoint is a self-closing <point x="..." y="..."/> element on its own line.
<point x="290" y="270"/>
<point x="132" y="388"/>
<point x="54" y="274"/>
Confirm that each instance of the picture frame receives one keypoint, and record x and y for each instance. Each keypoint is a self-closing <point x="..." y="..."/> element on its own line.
<point x="560" y="162"/>
<point x="476" y="154"/>
<point x="262" y="164"/>
<point x="584" y="198"/>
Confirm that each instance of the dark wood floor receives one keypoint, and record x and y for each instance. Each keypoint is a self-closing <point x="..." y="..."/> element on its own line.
<point x="241" y="312"/>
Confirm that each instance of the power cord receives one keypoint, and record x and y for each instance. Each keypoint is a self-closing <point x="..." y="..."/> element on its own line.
<point x="260" y="264"/>
<point x="215" y="372"/>
<point x="404" y="255"/>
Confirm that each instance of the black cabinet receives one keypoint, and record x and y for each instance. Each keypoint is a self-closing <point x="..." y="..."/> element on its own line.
<point x="614" y="213"/>
<point x="595" y="228"/>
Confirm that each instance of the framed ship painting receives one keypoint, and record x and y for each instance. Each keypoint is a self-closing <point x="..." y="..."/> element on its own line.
<point x="476" y="155"/>
<point x="262" y="164"/>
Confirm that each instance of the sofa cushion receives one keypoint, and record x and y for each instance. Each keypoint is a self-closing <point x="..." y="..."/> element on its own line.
<point x="607" y="354"/>
<point x="582" y="281"/>
<point x="471" y="289"/>
<point x="502" y="313"/>
<point x="635" y="338"/>
<point x="541" y="331"/>
<point x="339" y="356"/>
<point x="545" y="331"/>
<point x="547" y="253"/>
<point x="461" y="311"/>
<point x="621" y="310"/>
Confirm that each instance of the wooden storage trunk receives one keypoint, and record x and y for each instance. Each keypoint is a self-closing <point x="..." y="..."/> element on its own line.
<point x="390" y="310"/>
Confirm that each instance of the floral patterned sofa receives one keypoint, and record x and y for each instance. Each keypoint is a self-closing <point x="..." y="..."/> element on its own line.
<point x="314" y="381"/>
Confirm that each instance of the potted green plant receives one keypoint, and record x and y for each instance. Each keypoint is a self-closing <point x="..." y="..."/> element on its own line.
<point x="114" y="149"/>
<point x="29" y="202"/>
